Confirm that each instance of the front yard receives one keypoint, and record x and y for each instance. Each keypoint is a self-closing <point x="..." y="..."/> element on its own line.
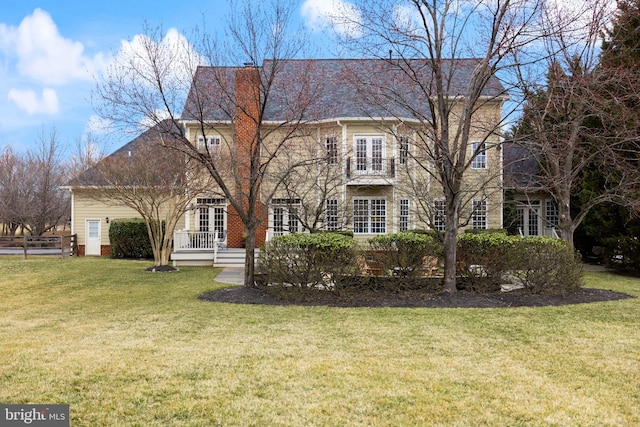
<point x="124" y="347"/>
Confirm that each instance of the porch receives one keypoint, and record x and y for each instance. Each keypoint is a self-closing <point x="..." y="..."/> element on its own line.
<point x="205" y="248"/>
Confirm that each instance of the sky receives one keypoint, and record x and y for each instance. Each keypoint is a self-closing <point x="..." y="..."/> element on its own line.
<point x="52" y="50"/>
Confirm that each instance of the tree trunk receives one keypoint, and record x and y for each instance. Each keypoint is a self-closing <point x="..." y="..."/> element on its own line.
<point x="250" y="257"/>
<point x="450" y="247"/>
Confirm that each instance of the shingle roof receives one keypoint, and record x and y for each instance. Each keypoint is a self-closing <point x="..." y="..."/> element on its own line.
<point x="333" y="88"/>
<point x="520" y="167"/>
<point x="91" y="177"/>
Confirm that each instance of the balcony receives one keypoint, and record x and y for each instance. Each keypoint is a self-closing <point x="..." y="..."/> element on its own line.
<point x="370" y="171"/>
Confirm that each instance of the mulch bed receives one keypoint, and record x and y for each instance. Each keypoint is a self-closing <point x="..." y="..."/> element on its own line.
<point x="460" y="299"/>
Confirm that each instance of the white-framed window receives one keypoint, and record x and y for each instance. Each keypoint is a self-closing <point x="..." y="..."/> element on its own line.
<point x="479" y="214"/>
<point x="369" y="216"/>
<point x="369" y="154"/>
<point x="529" y="217"/>
<point x="439" y="214"/>
<point x="331" y="147"/>
<point x="478" y="150"/>
<point x="211" y="214"/>
<point x="210" y="143"/>
<point x="403" y="220"/>
<point x="331" y="219"/>
<point x="403" y="149"/>
<point x="284" y="216"/>
<point x="552" y="216"/>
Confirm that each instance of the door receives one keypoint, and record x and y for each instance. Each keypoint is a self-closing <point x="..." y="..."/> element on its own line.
<point x="92" y="244"/>
<point x="529" y="218"/>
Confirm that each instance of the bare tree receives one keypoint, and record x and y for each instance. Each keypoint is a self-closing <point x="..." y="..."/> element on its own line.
<point x="314" y="192"/>
<point x="572" y="125"/>
<point x="230" y="101"/>
<point x="147" y="177"/>
<point x="449" y="101"/>
<point x="30" y="186"/>
<point x="13" y="178"/>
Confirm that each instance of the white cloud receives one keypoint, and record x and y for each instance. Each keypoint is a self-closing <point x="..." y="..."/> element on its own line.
<point x="177" y="59"/>
<point x="98" y="125"/>
<point x="43" y="54"/>
<point x="343" y="17"/>
<point x="28" y="101"/>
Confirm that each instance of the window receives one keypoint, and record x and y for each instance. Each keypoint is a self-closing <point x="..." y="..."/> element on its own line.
<point x="479" y="214"/>
<point x="403" y="149"/>
<point x="439" y="214"/>
<point x="211" y="214"/>
<point x="529" y="217"/>
<point x="480" y="155"/>
<point x="369" y="216"/>
<point x="331" y="145"/>
<point x="210" y="144"/>
<point x="284" y="216"/>
<point x="331" y="222"/>
<point x="369" y="155"/>
<point x="403" y="223"/>
<point x="552" y="214"/>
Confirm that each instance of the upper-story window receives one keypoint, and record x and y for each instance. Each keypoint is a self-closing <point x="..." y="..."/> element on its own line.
<point x="369" y="154"/>
<point x="403" y="149"/>
<point x="478" y="150"/>
<point x="331" y="146"/>
<point x="210" y="143"/>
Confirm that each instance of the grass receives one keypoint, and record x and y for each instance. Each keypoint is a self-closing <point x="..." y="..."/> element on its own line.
<point x="124" y="348"/>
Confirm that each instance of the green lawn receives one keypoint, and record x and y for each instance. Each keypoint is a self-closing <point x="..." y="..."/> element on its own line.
<point x="124" y="347"/>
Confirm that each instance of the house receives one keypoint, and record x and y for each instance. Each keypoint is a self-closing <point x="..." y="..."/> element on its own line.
<point x="90" y="215"/>
<point x="365" y="169"/>
<point x="536" y="212"/>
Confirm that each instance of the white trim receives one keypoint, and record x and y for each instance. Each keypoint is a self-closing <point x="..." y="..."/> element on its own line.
<point x="369" y="214"/>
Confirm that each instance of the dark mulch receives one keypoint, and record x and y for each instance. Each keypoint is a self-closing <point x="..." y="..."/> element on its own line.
<point x="161" y="269"/>
<point x="461" y="299"/>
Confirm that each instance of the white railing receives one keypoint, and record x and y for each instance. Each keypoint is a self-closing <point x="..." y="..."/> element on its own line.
<point x="186" y="240"/>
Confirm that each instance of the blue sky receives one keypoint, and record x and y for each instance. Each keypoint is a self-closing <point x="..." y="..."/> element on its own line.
<point x="49" y="50"/>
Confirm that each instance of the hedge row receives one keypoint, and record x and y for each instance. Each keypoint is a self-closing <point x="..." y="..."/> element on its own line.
<point x="485" y="261"/>
<point x="129" y="238"/>
<point x="539" y="264"/>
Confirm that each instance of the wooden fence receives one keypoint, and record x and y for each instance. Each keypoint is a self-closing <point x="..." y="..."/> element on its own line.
<point x="39" y="245"/>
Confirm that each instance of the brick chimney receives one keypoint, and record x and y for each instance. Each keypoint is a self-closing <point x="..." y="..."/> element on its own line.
<point x="246" y="121"/>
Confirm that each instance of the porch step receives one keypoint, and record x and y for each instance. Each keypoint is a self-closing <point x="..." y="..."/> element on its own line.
<point x="231" y="257"/>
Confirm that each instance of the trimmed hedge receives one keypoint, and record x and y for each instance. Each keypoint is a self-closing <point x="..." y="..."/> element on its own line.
<point x="404" y="253"/>
<point x="129" y="238"/>
<point x="540" y="264"/>
<point x="484" y="258"/>
<point x="310" y="260"/>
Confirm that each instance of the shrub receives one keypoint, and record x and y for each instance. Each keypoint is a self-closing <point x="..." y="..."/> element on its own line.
<point x="310" y="260"/>
<point x="484" y="258"/>
<point x="129" y="238"/>
<point x="546" y="265"/>
<point x="485" y="231"/>
<point x="404" y="253"/>
<point x="623" y="252"/>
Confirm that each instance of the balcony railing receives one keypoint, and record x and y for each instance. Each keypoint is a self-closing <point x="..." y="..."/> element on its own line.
<point x="371" y="168"/>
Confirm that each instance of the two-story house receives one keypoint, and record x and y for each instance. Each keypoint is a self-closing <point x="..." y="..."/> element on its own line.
<point x="350" y="161"/>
